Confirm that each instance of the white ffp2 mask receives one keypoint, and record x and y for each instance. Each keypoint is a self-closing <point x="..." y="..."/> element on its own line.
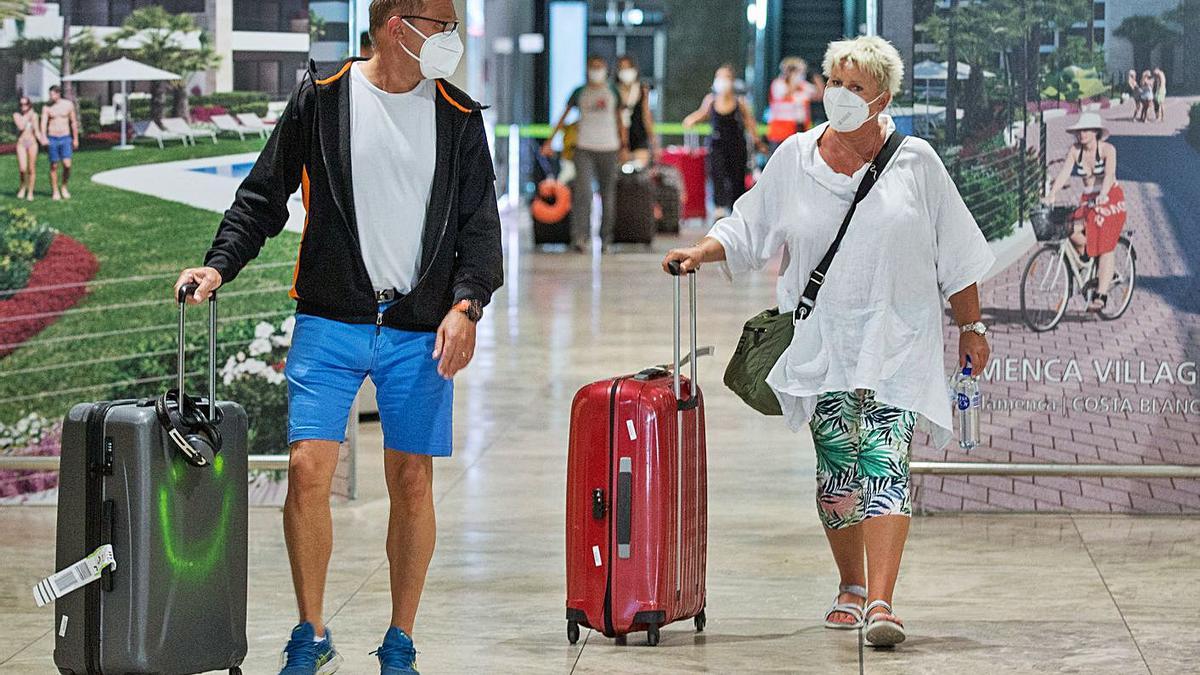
<point x="440" y="53"/>
<point x="847" y="110"/>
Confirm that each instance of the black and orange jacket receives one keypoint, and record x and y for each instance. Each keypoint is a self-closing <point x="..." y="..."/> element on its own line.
<point x="310" y="149"/>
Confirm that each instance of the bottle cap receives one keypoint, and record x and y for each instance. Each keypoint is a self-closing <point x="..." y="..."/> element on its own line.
<point x="967" y="370"/>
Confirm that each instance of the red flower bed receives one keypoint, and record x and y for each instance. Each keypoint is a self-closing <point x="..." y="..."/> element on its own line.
<point x="57" y="283"/>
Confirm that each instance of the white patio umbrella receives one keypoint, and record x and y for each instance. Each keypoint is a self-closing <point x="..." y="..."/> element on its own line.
<point x="122" y="70"/>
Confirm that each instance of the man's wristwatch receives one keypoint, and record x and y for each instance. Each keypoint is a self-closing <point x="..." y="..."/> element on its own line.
<point x="979" y="328"/>
<point x="472" y="308"/>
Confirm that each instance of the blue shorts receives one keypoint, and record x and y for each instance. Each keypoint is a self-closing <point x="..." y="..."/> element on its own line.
<point x="326" y="367"/>
<point x="60" y="148"/>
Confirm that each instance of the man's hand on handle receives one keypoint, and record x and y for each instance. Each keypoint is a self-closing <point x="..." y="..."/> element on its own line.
<point x="455" y="345"/>
<point x="207" y="278"/>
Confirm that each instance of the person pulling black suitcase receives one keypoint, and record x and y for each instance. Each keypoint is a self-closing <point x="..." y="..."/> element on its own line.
<point x="156" y="489"/>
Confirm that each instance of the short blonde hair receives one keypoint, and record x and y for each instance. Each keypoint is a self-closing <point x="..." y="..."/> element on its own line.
<point x="870" y="53"/>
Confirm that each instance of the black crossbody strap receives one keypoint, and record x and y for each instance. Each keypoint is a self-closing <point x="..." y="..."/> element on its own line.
<point x="809" y="300"/>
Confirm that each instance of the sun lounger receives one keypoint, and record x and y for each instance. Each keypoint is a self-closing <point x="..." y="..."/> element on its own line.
<point x="177" y="125"/>
<point x="153" y="131"/>
<point x="228" y="125"/>
<point x="255" y="122"/>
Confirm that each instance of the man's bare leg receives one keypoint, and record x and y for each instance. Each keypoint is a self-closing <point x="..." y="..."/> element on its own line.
<point x="412" y="531"/>
<point x="308" y="525"/>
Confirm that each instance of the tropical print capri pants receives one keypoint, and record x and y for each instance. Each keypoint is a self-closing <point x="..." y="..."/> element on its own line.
<point x="862" y="458"/>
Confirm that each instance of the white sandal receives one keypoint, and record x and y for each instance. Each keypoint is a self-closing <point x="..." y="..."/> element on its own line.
<point x="883" y="632"/>
<point x="847" y="608"/>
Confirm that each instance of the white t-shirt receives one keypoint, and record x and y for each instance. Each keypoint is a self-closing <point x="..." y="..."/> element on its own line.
<point x="393" y="152"/>
<point x="879" y="320"/>
<point x="598" y="129"/>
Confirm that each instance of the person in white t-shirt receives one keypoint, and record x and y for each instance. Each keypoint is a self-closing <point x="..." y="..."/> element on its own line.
<point x="867" y="363"/>
<point x="400" y="253"/>
<point x="601" y="146"/>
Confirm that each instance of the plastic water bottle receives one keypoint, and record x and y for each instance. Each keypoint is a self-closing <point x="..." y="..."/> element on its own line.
<point x="967" y="403"/>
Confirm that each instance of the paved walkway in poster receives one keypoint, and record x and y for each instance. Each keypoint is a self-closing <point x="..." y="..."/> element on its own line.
<point x="1160" y="174"/>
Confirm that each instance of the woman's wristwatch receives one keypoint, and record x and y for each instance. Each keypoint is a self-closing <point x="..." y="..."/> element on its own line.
<point x="472" y="308"/>
<point x="979" y="328"/>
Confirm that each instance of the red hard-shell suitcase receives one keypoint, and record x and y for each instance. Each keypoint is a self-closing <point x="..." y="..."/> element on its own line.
<point x="637" y="513"/>
<point x="691" y="162"/>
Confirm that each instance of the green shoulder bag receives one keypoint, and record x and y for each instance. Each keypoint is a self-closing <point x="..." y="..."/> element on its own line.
<point x="766" y="336"/>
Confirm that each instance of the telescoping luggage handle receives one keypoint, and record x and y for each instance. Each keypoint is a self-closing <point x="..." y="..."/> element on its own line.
<point x="184" y="292"/>
<point x="677" y="272"/>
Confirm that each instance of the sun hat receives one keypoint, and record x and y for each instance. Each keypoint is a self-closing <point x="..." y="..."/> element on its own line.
<point x="1089" y="121"/>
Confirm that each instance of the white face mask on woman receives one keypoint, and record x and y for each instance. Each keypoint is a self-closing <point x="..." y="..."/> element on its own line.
<point x="722" y="85"/>
<point x="847" y="110"/>
<point x="440" y="53"/>
<point x="597" y="75"/>
<point x="628" y="75"/>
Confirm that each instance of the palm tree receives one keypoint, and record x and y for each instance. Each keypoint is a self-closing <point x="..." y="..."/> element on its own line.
<point x="1144" y="33"/>
<point x="161" y="37"/>
<point x="14" y="9"/>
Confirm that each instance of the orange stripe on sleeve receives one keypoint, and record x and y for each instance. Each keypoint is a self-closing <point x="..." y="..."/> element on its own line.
<point x="454" y="103"/>
<point x="338" y="76"/>
<point x="304" y="193"/>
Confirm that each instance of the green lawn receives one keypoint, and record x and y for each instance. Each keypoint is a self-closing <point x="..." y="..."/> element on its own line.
<point x="132" y="236"/>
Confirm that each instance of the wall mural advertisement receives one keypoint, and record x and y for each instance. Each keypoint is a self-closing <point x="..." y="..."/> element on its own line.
<point x="1093" y="305"/>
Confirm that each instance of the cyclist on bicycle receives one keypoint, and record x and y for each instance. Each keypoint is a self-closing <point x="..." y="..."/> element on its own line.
<point x="1096" y="225"/>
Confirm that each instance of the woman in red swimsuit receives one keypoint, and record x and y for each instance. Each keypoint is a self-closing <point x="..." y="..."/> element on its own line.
<point x="1098" y="221"/>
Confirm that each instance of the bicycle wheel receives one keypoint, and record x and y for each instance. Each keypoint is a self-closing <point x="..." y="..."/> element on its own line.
<point x="1120" y="295"/>
<point x="1045" y="289"/>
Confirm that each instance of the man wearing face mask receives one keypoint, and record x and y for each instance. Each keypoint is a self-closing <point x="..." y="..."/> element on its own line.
<point x="400" y="254"/>
<point x="602" y="145"/>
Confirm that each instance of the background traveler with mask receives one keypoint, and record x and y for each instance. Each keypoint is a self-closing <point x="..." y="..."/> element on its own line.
<point x="401" y="251"/>
<point x="791" y="99"/>
<point x="601" y="146"/>
<point x="867" y="364"/>
<point x="636" y="114"/>
<point x="733" y="130"/>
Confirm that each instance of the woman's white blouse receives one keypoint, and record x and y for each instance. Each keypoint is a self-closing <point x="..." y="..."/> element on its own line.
<point x="879" y="319"/>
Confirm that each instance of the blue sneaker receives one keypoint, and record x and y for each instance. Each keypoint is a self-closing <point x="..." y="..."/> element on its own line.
<point x="397" y="654"/>
<point x="305" y="655"/>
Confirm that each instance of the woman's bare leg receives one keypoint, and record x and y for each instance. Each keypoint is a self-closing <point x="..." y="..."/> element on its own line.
<point x="884" y="537"/>
<point x="31" y="175"/>
<point x="848" y="547"/>
<point x="23" y="168"/>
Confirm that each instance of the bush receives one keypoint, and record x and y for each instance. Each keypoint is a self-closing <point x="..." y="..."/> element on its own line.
<point x="1193" y="130"/>
<point x="23" y="241"/>
<point x="235" y="102"/>
<point x="990" y="186"/>
<point x="89" y="117"/>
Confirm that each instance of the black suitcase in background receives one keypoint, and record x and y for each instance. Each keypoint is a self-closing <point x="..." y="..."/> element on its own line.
<point x="668" y="196"/>
<point x="176" y="602"/>
<point x="635" y="208"/>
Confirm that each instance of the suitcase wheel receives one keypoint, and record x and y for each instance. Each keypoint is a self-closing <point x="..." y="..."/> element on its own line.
<point x="235" y="671"/>
<point x="652" y="636"/>
<point x="700" y="621"/>
<point x="572" y="632"/>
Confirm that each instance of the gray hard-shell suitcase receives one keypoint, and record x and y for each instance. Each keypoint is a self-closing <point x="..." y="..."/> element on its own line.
<point x="176" y="601"/>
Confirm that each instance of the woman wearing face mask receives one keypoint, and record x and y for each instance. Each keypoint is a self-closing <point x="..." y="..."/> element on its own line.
<point x="865" y="364"/>
<point x="733" y="128"/>
<point x="635" y="111"/>
<point x="602" y="146"/>
<point x="28" y="137"/>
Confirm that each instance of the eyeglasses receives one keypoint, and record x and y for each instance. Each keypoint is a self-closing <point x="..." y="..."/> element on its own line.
<point x="447" y="26"/>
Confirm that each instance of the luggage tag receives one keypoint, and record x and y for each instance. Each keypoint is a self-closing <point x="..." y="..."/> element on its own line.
<point x="74" y="577"/>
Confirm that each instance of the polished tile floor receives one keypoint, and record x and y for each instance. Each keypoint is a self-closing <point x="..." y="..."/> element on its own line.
<point x="981" y="594"/>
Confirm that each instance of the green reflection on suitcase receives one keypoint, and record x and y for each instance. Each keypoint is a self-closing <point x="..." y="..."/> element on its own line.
<point x="196" y="558"/>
